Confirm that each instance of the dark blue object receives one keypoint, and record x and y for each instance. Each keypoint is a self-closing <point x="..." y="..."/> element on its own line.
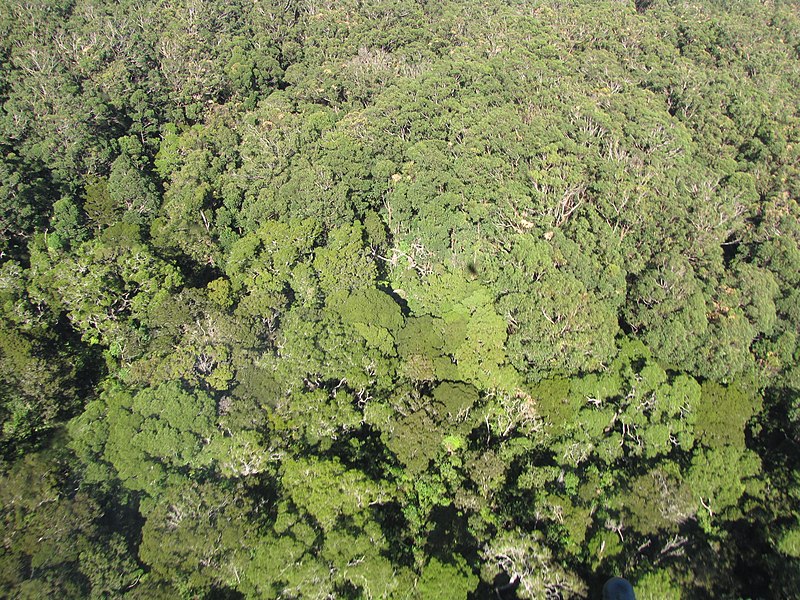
<point x="618" y="588"/>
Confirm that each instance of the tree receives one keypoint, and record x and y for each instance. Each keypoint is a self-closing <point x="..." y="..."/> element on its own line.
<point x="198" y="536"/>
<point x="107" y="287"/>
<point x="397" y="298"/>
<point x="529" y="564"/>
<point x="25" y="198"/>
<point x="39" y="386"/>
<point x="330" y="492"/>
<point x="151" y="438"/>
<point x="130" y="188"/>
<point x="55" y="541"/>
<point x="452" y="580"/>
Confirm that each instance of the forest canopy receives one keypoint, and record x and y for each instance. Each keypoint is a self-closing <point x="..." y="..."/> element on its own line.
<point x="399" y="298"/>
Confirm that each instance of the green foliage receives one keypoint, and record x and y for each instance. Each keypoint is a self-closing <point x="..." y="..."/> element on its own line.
<point x="452" y="580"/>
<point x="723" y="413"/>
<point x="719" y="476"/>
<point x="110" y="568"/>
<point x="239" y="455"/>
<point x="107" y="287"/>
<point x="198" y="536"/>
<point x="399" y="299"/>
<point x="659" y="500"/>
<point x="23" y="201"/>
<point x="789" y="543"/>
<point x="528" y="561"/>
<point x="343" y="264"/>
<point x="38" y="382"/>
<point x="328" y="491"/>
<point x="454" y="400"/>
<point x="414" y="440"/>
<point x="150" y="437"/>
<point x="657" y="585"/>
<point x="54" y="539"/>
<point x="67" y="223"/>
<point x="100" y="209"/>
<point x="132" y="191"/>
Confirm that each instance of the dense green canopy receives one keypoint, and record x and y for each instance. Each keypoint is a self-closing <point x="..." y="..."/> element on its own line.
<point x="399" y="298"/>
